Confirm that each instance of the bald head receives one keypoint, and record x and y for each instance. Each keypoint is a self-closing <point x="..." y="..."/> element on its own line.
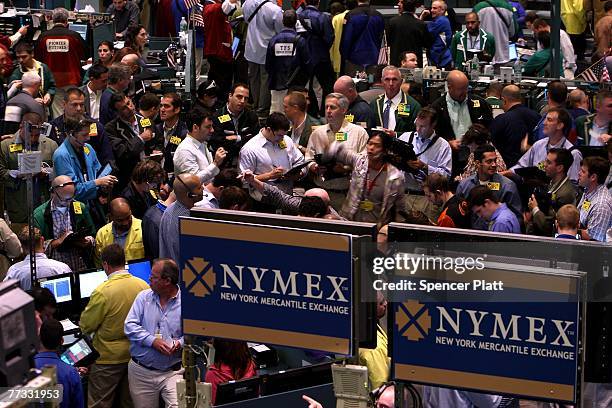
<point x="511" y="95"/>
<point x="63" y="189"/>
<point x="188" y="189"/>
<point x="578" y="99"/>
<point x="119" y="206"/>
<point x="346" y="87"/>
<point x="60" y="180"/>
<point x="318" y="192"/>
<point x="457" y="83"/>
<point x="121" y="215"/>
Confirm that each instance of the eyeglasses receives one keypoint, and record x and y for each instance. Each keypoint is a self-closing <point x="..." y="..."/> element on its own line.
<point x="68" y="183"/>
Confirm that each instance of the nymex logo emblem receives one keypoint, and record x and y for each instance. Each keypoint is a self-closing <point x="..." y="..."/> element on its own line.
<point x="413" y="320"/>
<point x="199" y="277"/>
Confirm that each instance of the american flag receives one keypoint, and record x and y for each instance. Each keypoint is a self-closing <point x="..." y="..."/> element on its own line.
<point x="598" y="72"/>
<point x="190" y="3"/>
<point x="197" y="18"/>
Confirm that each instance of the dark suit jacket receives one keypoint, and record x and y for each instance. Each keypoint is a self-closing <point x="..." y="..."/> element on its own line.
<point x="247" y="127"/>
<point x="480" y="112"/>
<point x="543" y="222"/>
<point x="407" y="33"/>
<point x="127" y="148"/>
<point x="180" y="131"/>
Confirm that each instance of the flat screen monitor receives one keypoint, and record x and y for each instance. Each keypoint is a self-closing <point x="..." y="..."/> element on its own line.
<point x="90" y="280"/>
<point x="235" y="391"/>
<point x="298" y="378"/>
<point x="80" y="353"/>
<point x="140" y="268"/>
<point x="60" y="286"/>
<point x="513" y="52"/>
<point x="79" y="28"/>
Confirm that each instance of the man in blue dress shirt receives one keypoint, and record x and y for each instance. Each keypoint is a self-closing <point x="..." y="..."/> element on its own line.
<point x="153" y="327"/>
<point x="500" y="218"/>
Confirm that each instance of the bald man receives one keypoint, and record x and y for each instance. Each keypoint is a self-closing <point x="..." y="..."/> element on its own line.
<point x="511" y="129"/>
<point x="359" y="111"/>
<point x="579" y="103"/>
<point x="188" y="190"/>
<point x="124" y="229"/>
<point x="61" y="215"/>
<point x="458" y="110"/>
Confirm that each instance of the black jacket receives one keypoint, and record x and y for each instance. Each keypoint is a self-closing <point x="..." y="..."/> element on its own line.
<point x="407" y="33"/>
<point x="509" y="129"/>
<point x="480" y="112"/>
<point x="247" y="126"/>
<point x="139" y="204"/>
<point x="159" y="142"/>
<point x="127" y="148"/>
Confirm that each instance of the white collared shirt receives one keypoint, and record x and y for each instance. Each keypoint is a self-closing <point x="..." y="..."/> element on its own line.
<point x="395" y="101"/>
<point x="459" y="115"/>
<point x="94" y="103"/>
<point x="192" y="156"/>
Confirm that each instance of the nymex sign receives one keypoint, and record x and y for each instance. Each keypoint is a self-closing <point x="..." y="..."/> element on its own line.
<point x="527" y="349"/>
<point x="266" y="284"/>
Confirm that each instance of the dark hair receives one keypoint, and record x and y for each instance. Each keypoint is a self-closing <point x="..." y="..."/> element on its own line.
<point x="277" y="121"/>
<point x="437" y="181"/>
<point x="409" y="5"/>
<point x="196" y="116"/>
<point x="428" y="113"/>
<point x="564" y="117"/>
<point x="384" y="138"/>
<point x="563" y="157"/>
<point x="116" y="98"/>
<point x="148" y="101"/>
<point x="290" y="17"/>
<point x="539" y="22"/>
<point x="233" y="353"/>
<point x="73" y="126"/>
<point x="176" y="99"/>
<point x="543" y="38"/>
<point x="73" y="91"/>
<point x="227" y="178"/>
<point x="312" y="207"/>
<point x="130" y="36"/>
<point x="598" y="166"/>
<point x="118" y="72"/>
<point x="109" y="44"/>
<point x="231" y="196"/>
<point x="557" y="92"/>
<point x="298" y="100"/>
<point x="169" y="269"/>
<point x="113" y="255"/>
<point x="495" y="88"/>
<point x="479" y="194"/>
<point x="531" y="16"/>
<point x="42" y="297"/>
<point x="51" y="332"/>
<point x="239" y="85"/>
<point x="97" y="70"/>
<point x="478" y="134"/>
<point x="24" y="237"/>
<point x="203" y="89"/>
<point x="24" y="47"/>
<point x="147" y="170"/>
<point x="608" y="6"/>
<point x="481" y="150"/>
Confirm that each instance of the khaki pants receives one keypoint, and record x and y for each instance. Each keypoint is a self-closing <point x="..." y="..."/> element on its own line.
<point x="147" y="385"/>
<point x="108" y="386"/>
<point x="260" y="92"/>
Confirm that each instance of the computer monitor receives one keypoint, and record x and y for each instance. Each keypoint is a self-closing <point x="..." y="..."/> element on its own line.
<point x="89" y="280"/>
<point x="297" y="378"/>
<point x="60" y="286"/>
<point x="79" y="28"/>
<point x="235" y="391"/>
<point x="140" y="268"/>
<point x="513" y="52"/>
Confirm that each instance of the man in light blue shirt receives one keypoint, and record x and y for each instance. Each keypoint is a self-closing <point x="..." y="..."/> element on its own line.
<point x="44" y="267"/>
<point x="500" y="218"/>
<point x="265" y="20"/>
<point x="433" y="156"/>
<point x="271" y="153"/>
<point x="153" y="327"/>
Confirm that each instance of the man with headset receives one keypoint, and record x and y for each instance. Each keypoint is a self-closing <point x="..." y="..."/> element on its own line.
<point x="188" y="191"/>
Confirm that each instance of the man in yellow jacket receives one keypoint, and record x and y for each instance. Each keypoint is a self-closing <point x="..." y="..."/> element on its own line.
<point x="124" y="230"/>
<point x="104" y="316"/>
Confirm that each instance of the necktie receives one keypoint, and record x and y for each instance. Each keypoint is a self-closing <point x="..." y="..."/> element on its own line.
<point x="386" y="113"/>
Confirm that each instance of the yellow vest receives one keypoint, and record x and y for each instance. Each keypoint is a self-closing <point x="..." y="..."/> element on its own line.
<point x="134" y="248"/>
<point x="334" y="51"/>
<point x="376" y="360"/>
<point x="573" y="15"/>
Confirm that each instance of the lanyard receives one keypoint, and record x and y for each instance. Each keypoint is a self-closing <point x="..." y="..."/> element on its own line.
<point x="369" y="184"/>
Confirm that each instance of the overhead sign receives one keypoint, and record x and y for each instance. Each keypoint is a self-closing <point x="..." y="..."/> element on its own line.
<point x="520" y="348"/>
<point x="267" y="284"/>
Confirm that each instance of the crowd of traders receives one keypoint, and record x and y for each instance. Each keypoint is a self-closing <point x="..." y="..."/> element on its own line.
<point x="289" y="133"/>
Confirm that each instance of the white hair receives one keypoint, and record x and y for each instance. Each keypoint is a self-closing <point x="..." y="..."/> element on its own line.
<point x="30" y="79"/>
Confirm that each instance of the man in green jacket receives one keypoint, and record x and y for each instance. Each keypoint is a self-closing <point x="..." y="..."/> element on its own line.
<point x="472" y="40"/>
<point x="66" y="225"/>
<point x="14" y="183"/>
<point x="24" y="52"/>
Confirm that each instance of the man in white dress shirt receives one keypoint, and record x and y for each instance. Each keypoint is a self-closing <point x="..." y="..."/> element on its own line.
<point x="192" y="155"/>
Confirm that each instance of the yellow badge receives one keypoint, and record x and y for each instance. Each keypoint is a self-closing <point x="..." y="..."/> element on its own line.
<point x="86" y="150"/>
<point x="403" y="109"/>
<point x="541" y="165"/>
<point x="224" y="118"/>
<point x="175" y="140"/>
<point x="586" y="205"/>
<point x="153" y="194"/>
<point x="145" y="122"/>
<point x="77" y="207"/>
<point x="493" y="186"/>
<point x="341" y="137"/>
<point x="366" y="205"/>
<point x="15" y="148"/>
<point x="553" y="196"/>
<point x="476" y="103"/>
<point x="282" y="144"/>
<point x="349" y="118"/>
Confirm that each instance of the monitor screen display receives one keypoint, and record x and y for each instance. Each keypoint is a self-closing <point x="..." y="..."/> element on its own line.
<point x="60" y="287"/>
<point x="140" y="269"/>
<point x="77" y="352"/>
<point x="89" y="281"/>
<point x="79" y="28"/>
<point x="513" y="53"/>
